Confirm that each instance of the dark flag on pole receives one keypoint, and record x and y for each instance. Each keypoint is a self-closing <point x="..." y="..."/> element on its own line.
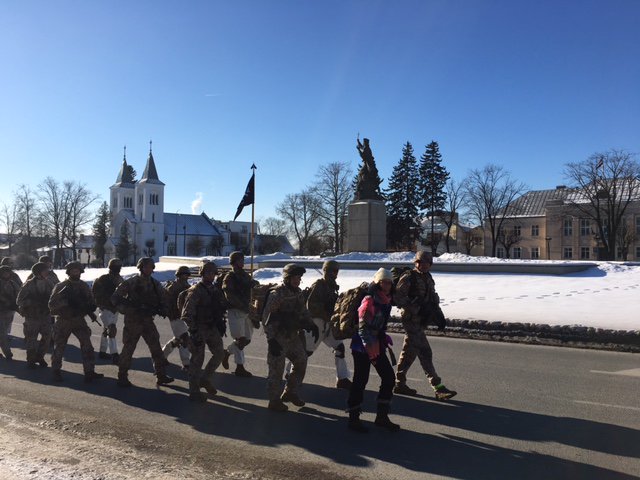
<point x="248" y="198"/>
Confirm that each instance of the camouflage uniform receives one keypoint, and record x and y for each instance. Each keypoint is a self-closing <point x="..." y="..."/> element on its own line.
<point x="203" y="312"/>
<point x="415" y="288"/>
<point x="237" y="286"/>
<point x="8" y="295"/>
<point x="70" y="301"/>
<point x="284" y="315"/>
<point x="321" y="302"/>
<point x="140" y="298"/>
<point x="102" y="289"/>
<point x="178" y="327"/>
<point x="33" y="299"/>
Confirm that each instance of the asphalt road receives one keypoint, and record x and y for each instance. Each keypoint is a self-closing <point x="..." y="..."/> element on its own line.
<point x="522" y="412"/>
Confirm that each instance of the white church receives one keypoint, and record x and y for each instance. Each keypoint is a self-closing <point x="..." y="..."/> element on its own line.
<point x="137" y="212"/>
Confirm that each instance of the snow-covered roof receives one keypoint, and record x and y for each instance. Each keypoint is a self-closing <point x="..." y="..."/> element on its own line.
<point x="195" y="224"/>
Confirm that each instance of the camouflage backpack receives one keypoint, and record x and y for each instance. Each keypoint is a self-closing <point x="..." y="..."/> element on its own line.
<point x="259" y="295"/>
<point x="344" y="321"/>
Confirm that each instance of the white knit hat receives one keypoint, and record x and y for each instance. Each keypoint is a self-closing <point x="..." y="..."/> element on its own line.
<point x="382" y="274"/>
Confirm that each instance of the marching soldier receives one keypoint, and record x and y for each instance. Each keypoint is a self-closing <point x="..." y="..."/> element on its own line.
<point x="237" y="290"/>
<point x="414" y="292"/>
<point x="103" y="288"/>
<point x="178" y="327"/>
<point x="321" y="302"/>
<point x="33" y="305"/>
<point x="8" y="295"/>
<point x="6" y="261"/>
<point x="284" y="315"/>
<point x="203" y="312"/>
<point x="70" y="302"/>
<point x="51" y="275"/>
<point x="141" y="298"/>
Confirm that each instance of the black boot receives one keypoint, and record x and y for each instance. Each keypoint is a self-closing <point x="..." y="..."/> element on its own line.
<point x="354" y="422"/>
<point x="382" y="418"/>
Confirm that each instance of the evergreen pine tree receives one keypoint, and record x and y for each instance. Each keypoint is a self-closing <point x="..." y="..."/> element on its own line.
<point x="123" y="250"/>
<point x="403" y="201"/>
<point x="433" y="178"/>
<point x="101" y="232"/>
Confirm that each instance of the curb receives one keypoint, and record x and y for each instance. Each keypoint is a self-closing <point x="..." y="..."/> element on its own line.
<point x="574" y="336"/>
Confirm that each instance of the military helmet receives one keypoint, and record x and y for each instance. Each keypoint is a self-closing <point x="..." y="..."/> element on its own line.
<point x="5" y="269"/>
<point x="45" y="259"/>
<point x="330" y="266"/>
<point x="208" y="266"/>
<point x="6" y="261"/>
<point x="144" y="261"/>
<point x="115" y="262"/>
<point x="183" y="270"/>
<point x="74" y="265"/>
<point x="235" y="256"/>
<point x="423" y="255"/>
<point x="291" y="270"/>
<point x="39" y="267"/>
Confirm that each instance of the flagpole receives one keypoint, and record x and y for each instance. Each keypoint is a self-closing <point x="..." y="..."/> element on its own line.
<point x="253" y="206"/>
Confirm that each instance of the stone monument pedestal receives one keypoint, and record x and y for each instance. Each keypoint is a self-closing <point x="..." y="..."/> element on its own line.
<point x="367" y="226"/>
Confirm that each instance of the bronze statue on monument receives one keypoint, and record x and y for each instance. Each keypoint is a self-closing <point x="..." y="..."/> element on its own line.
<point x="368" y="185"/>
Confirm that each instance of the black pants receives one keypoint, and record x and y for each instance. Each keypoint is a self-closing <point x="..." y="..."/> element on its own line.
<point x="361" y="368"/>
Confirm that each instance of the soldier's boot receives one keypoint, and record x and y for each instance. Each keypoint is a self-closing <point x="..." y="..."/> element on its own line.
<point x="115" y="358"/>
<point x="242" y="372"/>
<point x="443" y="393"/>
<point x="123" y="379"/>
<point x="292" y="397"/>
<point x="163" y="379"/>
<point x="277" y="405"/>
<point x="198" y="396"/>
<point x="225" y="359"/>
<point x="404" y="389"/>
<point x="104" y="355"/>
<point x="57" y="375"/>
<point x="382" y="418"/>
<point x="92" y="375"/>
<point x="355" y="423"/>
<point x="42" y="362"/>
<point x="206" y="384"/>
<point x="343" y="383"/>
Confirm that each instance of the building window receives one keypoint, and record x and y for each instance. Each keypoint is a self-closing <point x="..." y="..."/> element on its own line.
<point x="535" y="230"/>
<point x="584" y="253"/>
<point x="567" y="229"/>
<point x="171" y="249"/>
<point x="517" y="231"/>
<point x="535" y="252"/>
<point x="140" y="199"/>
<point x="638" y="225"/>
<point x="638" y="253"/>
<point x="585" y="227"/>
<point x="500" y="252"/>
<point x="154" y="199"/>
<point x="128" y="202"/>
<point x="153" y="217"/>
<point x="567" y="253"/>
<point x="517" y="252"/>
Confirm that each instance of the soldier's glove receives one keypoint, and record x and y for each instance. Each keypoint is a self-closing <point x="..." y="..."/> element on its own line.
<point x="313" y="329"/>
<point x="275" y="348"/>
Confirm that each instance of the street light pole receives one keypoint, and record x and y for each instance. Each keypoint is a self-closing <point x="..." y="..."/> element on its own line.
<point x="548" y="239"/>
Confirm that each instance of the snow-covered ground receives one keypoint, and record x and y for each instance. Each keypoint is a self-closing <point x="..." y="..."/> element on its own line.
<point x="605" y="296"/>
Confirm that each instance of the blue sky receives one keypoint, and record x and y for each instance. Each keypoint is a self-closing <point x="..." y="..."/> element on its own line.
<point x="288" y="85"/>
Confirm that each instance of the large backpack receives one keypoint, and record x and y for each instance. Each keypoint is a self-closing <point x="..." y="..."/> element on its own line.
<point x="344" y="321"/>
<point x="259" y="295"/>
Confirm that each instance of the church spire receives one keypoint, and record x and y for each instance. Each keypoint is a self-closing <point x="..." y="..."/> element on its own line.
<point x="126" y="172"/>
<point x="150" y="174"/>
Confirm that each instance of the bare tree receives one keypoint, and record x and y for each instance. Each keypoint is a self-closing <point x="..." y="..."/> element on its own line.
<point x="79" y="202"/>
<point x="26" y="203"/>
<point x="489" y="196"/>
<point x="300" y="210"/>
<point x="509" y="234"/>
<point x="454" y="197"/>
<point x="333" y="189"/>
<point x="273" y="226"/>
<point x="9" y="218"/>
<point x="605" y="183"/>
<point x="54" y="205"/>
